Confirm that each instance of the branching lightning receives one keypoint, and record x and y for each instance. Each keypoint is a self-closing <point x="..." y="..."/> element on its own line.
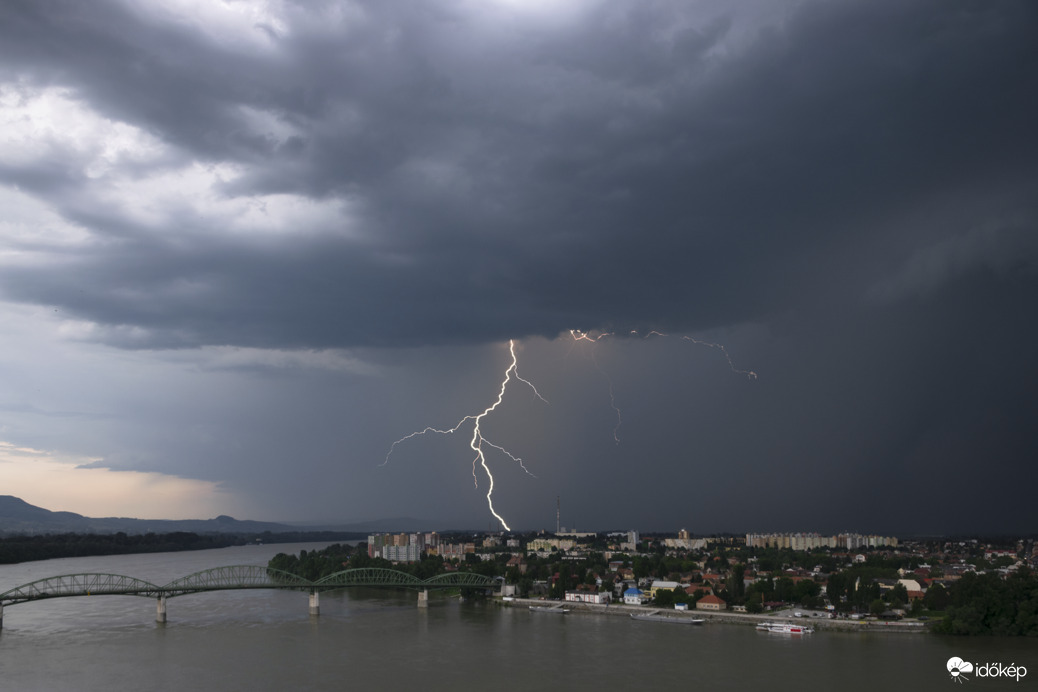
<point x="586" y="336"/>
<point x="478" y="441"/>
<point x="750" y="375"/>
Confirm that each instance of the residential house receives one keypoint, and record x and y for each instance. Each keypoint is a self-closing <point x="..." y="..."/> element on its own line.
<point x="711" y="602"/>
<point x="634" y="596"/>
<point x="599" y="597"/>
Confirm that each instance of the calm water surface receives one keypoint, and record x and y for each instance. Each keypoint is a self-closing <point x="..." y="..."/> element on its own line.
<point x="366" y="639"/>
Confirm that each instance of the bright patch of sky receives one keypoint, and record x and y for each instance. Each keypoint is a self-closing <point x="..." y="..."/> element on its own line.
<point x="47" y="479"/>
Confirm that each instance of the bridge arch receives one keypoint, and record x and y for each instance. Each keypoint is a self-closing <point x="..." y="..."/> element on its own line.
<point x="236" y="577"/>
<point x="379" y="576"/>
<point x="84" y="584"/>
<point x="369" y="576"/>
<point x="449" y="580"/>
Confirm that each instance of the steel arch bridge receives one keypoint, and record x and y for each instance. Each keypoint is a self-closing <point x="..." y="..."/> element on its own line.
<point x="235" y="577"/>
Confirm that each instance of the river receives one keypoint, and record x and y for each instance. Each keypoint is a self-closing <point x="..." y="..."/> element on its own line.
<point x="372" y="639"/>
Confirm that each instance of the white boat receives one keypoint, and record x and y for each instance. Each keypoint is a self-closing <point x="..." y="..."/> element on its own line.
<point x="787" y="628"/>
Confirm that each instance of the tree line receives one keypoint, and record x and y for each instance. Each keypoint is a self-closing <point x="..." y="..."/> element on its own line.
<point x="15" y="549"/>
<point x="986" y="604"/>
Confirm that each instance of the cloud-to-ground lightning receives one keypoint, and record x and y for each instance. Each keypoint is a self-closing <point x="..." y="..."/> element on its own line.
<point x="477" y="441"/>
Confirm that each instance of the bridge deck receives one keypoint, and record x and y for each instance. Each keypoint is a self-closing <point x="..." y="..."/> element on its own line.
<point x="235" y="577"/>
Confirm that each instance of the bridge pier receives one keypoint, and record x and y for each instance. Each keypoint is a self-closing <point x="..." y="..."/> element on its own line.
<point x="160" y="609"/>
<point x="1" y="616"/>
<point x="315" y="603"/>
<point x="423" y="598"/>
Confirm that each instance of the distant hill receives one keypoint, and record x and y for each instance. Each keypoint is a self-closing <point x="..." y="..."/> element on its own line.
<point x="19" y="517"/>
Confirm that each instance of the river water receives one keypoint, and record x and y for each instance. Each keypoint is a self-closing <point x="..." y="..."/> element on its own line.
<point x="374" y="639"/>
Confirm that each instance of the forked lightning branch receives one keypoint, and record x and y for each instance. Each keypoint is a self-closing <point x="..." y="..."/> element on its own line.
<point x="478" y="442"/>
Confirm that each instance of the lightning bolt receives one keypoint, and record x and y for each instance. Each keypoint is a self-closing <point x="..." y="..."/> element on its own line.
<point x="750" y="375"/>
<point x="586" y="336"/>
<point x="478" y="441"/>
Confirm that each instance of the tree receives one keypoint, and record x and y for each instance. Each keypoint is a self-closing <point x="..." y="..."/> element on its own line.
<point x="735" y="585"/>
<point x="785" y="589"/>
<point x="807" y="589"/>
<point x="664" y="598"/>
<point x="641" y="567"/>
<point x="836" y="588"/>
<point x="866" y="592"/>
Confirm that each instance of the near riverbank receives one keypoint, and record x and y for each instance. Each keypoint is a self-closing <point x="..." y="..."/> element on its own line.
<point x="618" y="609"/>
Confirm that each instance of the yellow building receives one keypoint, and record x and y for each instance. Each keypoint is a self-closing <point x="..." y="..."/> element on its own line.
<point x="664" y="585"/>
<point x="711" y="602"/>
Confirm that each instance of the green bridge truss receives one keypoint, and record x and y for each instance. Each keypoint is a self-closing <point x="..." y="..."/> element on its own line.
<point x="235" y="577"/>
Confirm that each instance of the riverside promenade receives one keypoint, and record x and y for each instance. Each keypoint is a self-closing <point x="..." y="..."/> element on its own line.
<point x="711" y="617"/>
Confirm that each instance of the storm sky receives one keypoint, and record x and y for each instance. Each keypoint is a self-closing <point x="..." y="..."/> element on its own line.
<point x="246" y="246"/>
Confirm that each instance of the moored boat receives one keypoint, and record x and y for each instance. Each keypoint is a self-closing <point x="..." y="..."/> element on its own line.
<point x="652" y="617"/>
<point x="549" y="609"/>
<point x="787" y="628"/>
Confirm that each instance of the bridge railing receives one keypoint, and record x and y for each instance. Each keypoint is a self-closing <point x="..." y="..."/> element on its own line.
<point x="235" y="577"/>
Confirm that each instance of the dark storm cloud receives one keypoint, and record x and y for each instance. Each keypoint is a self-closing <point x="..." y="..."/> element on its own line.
<point x="841" y="192"/>
<point x="632" y="168"/>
